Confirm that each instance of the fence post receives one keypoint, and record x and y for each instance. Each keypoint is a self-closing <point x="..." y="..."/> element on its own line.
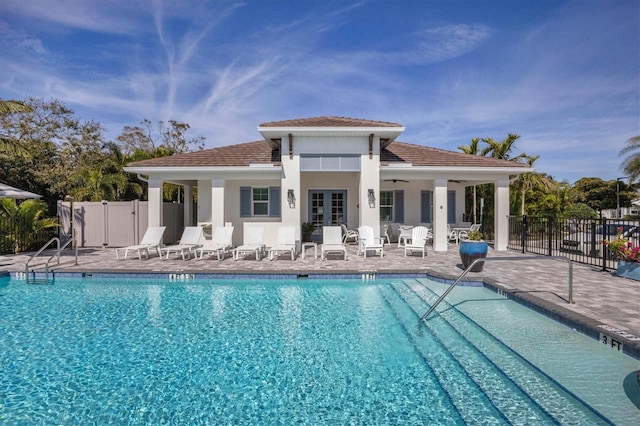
<point x="550" y="234"/>
<point x="605" y="237"/>
<point x="523" y="232"/>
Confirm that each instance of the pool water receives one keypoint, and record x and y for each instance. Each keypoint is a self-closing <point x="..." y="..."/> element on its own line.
<point x="144" y="351"/>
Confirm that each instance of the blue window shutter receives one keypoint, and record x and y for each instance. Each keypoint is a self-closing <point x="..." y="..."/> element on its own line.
<point x="398" y="206"/>
<point x="451" y="206"/>
<point x="274" y="201"/>
<point x="425" y="206"/>
<point x="245" y="201"/>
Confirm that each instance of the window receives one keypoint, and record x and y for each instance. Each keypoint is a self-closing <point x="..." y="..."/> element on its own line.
<point x="260" y="199"/>
<point x="386" y="206"/>
<point x="327" y="162"/>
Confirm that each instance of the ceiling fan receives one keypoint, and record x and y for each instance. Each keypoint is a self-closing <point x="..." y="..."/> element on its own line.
<point x="396" y="180"/>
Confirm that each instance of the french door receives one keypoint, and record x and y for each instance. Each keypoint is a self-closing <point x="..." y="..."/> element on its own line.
<point x="326" y="208"/>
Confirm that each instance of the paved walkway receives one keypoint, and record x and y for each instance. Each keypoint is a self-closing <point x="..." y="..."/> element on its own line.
<point x="603" y="302"/>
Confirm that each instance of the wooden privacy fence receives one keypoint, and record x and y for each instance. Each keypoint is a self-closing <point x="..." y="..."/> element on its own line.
<point x="116" y="223"/>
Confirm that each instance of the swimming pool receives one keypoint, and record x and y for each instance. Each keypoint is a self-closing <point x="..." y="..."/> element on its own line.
<point x="97" y="350"/>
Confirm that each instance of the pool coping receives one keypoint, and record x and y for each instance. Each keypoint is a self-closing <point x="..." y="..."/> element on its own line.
<point x="579" y="322"/>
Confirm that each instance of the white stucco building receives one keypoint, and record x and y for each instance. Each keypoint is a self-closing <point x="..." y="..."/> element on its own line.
<point x="327" y="171"/>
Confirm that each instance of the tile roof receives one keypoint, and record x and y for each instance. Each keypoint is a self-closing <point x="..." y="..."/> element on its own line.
<point x="260" y="152"/>
<point x="419" y="155"/>
<point x="329" y="121"/>
<point x="239" y="155"/>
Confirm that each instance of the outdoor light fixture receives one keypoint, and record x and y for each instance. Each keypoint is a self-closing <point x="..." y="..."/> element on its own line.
<point x="372" y="198"/>
<point x="291" y="198"/>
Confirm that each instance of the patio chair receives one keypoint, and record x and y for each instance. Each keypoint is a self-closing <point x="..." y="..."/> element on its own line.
<point x="368" y="242"/>
<point x="349" y="234"/>
<point x="150" y="241"/>
<point x="285" y="242"/>
<point x="452" y="235"/>
<point x="419" y="237"/>
<point x="384" y="231"/>
<point x="405" y="234"/>
<point x="253" y="243"/>
<point x="220" y="243"/>
<point x="191" y="239"/>
<point x="332" y="241"/>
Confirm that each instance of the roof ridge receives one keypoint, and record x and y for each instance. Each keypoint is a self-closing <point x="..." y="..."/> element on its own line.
<point x="329" y="121"/>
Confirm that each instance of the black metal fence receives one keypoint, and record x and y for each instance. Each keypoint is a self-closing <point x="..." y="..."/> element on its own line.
<point x="18" y="235"/>
<point x="582" y="241"/>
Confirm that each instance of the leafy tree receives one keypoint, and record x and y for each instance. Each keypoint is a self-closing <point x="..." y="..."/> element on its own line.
<point x="553" y="202"/>
<point x="580" y="211"/>
<point x="61" y="147"/>
<point x="171" y="138"/>
<point x="631" y="164"/>
<point x="23" y="223"/>
<point x="601" y="195"/>
<point x="142" y="142"/>
<point x="7" y="143"/>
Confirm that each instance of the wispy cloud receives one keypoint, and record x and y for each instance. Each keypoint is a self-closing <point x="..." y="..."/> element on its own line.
<point x="444" y="42"/>
<point x="225" y="67"/>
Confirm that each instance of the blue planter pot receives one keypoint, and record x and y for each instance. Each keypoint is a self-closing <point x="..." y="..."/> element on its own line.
<point x="472" y="250"/>
<point x="629" y="270"/>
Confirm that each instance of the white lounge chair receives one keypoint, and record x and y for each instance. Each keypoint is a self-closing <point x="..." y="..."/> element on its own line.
<point x="150" y="241"/>
<point x="285" y="242"/>
<point x="349" y="235"/>
<point x="253" y="243"/>
<point x="368" y="242"/>
<point x="191" y="239"/>
<point x="332" y="241"/>
<point x="419" y="237"/>
<point x="220" y="243"/>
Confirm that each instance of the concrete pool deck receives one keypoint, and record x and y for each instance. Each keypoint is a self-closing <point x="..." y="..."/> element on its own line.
<point x="603" y="302"/>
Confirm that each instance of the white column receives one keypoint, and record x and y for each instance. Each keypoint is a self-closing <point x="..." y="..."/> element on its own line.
<point x="460" y="203"/>
<point x="501" y="215"/>
<point x="217" y="202"/>
<point x="290" y="213"/>
<point x="440" y="236"/>
<point x="187" y="207"/>
<point x="155" y="202"/>
<point x="370" y="180"/>
<point x="204" y="201"/>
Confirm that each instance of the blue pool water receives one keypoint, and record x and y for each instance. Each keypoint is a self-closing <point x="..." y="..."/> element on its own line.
<point x="115" y="351"/>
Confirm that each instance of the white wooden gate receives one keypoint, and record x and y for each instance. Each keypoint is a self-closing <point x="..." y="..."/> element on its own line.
<point x="116" y="223"/>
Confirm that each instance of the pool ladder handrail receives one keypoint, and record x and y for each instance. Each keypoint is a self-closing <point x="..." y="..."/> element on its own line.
<point x="491" y="259"/>
<point x="56" y="255"/>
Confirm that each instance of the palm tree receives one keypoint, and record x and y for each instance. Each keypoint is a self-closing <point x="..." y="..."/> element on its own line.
<point x="7" y="143"/>
<point x="473" y="149"/>
<point x="501" y="149"/>
<point x="531" y="181"/>
<point x="631" y="165"/>
<point x="24" y="222"/>
<point x="97" y="186"/>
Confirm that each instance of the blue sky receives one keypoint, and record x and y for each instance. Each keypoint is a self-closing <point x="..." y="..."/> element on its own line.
<point x="565" y="75"/>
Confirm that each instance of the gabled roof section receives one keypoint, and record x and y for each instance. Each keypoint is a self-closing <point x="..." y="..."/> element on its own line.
<point x="240" y="155"/>
<point x="330" y="121"/>
<point x="424" y="156"/>
<point x="275" y="132"/>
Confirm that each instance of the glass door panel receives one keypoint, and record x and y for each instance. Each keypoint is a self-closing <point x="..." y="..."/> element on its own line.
<point x="326" y="208"/>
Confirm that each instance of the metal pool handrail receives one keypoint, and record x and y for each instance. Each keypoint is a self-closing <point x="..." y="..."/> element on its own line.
<point x="56" y="255"/>
<point x="36" y="254"/>
<point x="491" y="259"/>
